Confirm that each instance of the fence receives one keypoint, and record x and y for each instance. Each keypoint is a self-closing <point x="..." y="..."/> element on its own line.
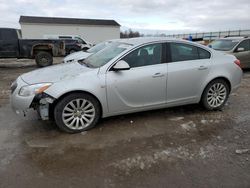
<point x="212" y="35"/>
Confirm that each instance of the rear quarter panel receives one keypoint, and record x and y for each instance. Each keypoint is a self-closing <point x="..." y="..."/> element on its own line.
<point x="223" y="66"/>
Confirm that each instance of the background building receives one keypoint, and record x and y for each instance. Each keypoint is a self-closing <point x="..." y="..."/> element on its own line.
<point x="91" y="30"/>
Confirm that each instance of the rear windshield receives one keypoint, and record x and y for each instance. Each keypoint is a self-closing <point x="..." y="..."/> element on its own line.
<point x="224" y="45"/>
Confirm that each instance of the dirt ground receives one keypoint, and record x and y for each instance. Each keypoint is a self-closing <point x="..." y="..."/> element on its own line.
<point x="176" y="147"/>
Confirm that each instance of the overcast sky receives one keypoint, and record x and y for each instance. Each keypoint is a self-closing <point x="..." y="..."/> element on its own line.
<point x="170" y="16"/>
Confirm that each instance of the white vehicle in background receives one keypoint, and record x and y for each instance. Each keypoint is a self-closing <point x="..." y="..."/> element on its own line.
<point x="81" y="55"/>
<point x="85" y="45"/>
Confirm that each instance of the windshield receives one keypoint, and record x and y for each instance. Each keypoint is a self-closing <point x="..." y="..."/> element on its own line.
<point x="98" y="47"/>
<point x="224" y="45"/>
<point x="105" y="55"/>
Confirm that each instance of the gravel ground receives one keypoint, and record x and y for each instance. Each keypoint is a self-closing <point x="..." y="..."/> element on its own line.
<point x="176" y="147"/>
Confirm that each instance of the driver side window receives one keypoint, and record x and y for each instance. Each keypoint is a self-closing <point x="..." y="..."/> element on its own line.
<point x="144" y="56"/>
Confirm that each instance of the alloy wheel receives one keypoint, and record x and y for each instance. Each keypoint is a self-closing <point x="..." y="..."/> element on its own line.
<point x="78" y="114"/>
<point x="216" y="95"/>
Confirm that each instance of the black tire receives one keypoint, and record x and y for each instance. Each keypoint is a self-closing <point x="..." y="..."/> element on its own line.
<point x="207" y="92"/>
<point x="60" y="109"/>
<point x="43" y="59"/>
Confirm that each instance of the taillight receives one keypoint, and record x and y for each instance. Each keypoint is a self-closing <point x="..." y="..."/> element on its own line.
<point x="237" y="62"/>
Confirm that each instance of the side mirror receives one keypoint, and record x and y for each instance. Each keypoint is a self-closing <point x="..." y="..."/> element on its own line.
<point x="121" y="65"/>
<point x="240" y="49"/>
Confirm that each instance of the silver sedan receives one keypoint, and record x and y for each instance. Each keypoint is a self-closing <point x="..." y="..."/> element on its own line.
<point x="128" y="76"/>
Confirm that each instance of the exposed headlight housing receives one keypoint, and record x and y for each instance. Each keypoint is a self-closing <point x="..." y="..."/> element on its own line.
<point x="34" y="89"/>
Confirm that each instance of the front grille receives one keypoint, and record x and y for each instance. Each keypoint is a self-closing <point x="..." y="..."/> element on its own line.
<point x="13" y="87"/>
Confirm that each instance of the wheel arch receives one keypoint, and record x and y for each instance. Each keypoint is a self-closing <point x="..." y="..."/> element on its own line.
<point x="217" y="78"/>
<point x="52" y="106"/>
<point x="42" y="47"/>
<point x="222" y="78"/>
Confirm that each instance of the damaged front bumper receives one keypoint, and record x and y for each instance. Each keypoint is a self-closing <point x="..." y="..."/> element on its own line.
<point x="42" y="103"/>
<point x="24" y="105"/>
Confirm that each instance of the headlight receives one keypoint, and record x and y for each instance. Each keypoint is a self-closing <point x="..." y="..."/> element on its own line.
<point x="29" y="90"/>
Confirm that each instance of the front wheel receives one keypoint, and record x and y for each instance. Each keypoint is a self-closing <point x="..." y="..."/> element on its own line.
<point x="215" y="95"/>
<point x="77" y="112"/>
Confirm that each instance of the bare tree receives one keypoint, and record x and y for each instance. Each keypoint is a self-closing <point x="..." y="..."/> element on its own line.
<point x="130" y="34"/>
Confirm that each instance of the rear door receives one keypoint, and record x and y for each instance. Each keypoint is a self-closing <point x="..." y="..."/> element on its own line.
<point x="8" y="43"/>
<point x="243" y="56"/>
<point x="189" y="65"/>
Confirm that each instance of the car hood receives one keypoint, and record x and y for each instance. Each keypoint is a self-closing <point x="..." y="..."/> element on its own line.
<point x="77" y="56"/>
<point x="55" y="73"/>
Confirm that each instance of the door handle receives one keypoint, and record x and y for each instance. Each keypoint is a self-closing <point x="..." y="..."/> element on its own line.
<point x="202" y="67"/>
<point x="158" y="74"/>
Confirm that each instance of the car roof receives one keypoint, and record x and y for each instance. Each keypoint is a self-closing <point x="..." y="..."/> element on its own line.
<point x="143" y="40"/>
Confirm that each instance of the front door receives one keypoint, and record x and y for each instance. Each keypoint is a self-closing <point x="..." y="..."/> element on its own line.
<point x="144" y="85"/>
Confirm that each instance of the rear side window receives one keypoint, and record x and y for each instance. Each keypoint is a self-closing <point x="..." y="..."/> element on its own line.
<point x="203" y="54"/>
<point x="245" y="44"/>
<point x="186" y="52"/>
<point x="183" y="52"/>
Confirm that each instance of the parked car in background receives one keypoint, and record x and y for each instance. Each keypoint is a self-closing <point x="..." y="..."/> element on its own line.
<point x="237" y="46"/>
<point x="12" y="46"/>
<point x="71" y="46"/>
<point x="129" y="75"/>
<point x="81" y="55"/>
<point x="85" y="45"/>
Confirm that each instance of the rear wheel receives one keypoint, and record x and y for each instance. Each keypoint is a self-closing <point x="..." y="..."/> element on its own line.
<point x="77" y="112"/>
<point x="43" y="59"/>
<point x="215" y="94"/>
